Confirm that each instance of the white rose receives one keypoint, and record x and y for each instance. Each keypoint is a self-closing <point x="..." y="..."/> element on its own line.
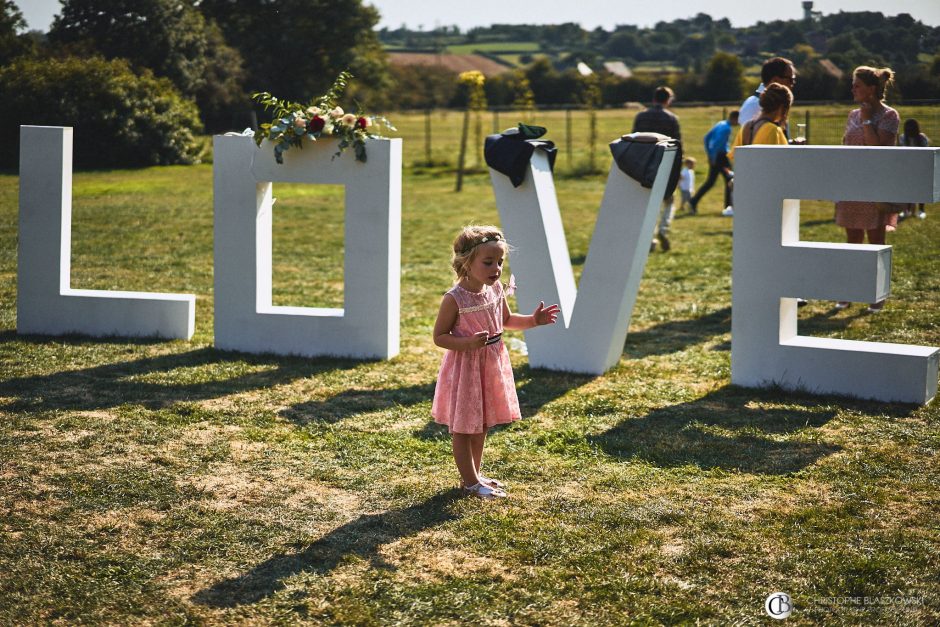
<point x="312" y="111"/>
<point x="349" y="120"/>
<point x="337" y="112"/>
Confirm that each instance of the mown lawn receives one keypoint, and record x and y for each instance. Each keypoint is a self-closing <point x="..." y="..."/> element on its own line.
<point x="168" y="482"/>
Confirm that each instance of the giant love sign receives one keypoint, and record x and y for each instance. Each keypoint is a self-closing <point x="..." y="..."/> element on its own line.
<point x="771" y="265"/>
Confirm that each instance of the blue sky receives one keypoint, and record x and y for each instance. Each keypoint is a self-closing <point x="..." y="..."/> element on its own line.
<point x="589" y="13"/>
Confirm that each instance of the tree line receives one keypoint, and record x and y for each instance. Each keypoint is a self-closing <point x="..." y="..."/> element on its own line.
<point x="693" y="52"/>
<point x="141" y="79"/>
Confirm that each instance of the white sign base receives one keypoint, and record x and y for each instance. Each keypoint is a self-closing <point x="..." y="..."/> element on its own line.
<point x="592" y="327"/>
<point x="46" y="304"/>
<point x="772" y="268"/>
<point x="245" y="319"/>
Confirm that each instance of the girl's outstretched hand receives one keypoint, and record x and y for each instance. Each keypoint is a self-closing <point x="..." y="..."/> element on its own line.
<point x="545" y="315"/>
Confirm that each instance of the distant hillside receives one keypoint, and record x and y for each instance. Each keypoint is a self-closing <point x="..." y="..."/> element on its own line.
<point x="454" y="62"/>
<point x="701" y="58"/>
<point x="845" y="39"/>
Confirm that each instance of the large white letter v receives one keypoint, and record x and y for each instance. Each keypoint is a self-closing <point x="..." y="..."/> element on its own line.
<point x="590" y="333"/>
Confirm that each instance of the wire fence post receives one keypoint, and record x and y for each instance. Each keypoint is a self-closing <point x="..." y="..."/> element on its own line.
<point x="568" y="136"/>
<point x="463" y="149"/>
<point x="592" y="140"/>
<point x="806" y="122"/>
<point x="427" y="137"/>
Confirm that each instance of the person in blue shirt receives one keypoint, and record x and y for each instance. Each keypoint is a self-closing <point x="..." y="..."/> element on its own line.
<point x="716" y="147"/>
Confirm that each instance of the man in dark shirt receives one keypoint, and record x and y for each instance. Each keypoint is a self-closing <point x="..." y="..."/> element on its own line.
<point x="658" y="119"/>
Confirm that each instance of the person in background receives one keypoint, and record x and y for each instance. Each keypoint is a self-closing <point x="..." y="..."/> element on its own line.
<point x="716" y="147"/>
<point x="767" y="128"/>
<point x="776" y="70"/>
<point x="872" y="124"/>
<point x="658" y="119"/>
<point x="913" y="137"/>
<point x="687" y="183"/>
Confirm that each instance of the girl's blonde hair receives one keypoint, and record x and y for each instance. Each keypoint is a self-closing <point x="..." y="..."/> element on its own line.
<point x="467" y="243"/>
<point x="875" y="77"/>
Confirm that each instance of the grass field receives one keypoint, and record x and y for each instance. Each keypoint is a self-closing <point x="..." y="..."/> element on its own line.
<point x="172" y="483"/>
<point x="495" y="47"/>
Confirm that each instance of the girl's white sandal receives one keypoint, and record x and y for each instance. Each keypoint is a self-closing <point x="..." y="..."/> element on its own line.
<point x="485" y="492"/>
<point x="493" y="483"/>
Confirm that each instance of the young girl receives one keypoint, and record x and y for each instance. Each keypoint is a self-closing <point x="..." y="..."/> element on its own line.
<point x="475" y="387"/>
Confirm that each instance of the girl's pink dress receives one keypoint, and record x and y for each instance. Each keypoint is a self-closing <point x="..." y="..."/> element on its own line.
<point x="475" y="389"/>
<point x="862" y="214"/>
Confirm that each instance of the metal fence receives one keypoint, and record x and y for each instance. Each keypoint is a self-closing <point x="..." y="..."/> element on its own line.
<point x="433" y="137"/>
<point x="826" y="126"/>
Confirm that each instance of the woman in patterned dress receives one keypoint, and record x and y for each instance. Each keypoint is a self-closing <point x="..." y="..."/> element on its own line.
<point x="872" y="124"/>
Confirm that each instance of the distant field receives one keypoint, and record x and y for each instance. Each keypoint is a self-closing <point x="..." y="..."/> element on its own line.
<point x="452" y="62"/>
<point x="654" y="66"/>
<point x="495" y="46"/>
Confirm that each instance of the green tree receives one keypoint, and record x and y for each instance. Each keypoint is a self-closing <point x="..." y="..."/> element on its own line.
<point x="847" y="51"/>
<point x="169" y="37"/>
<point x="724" y="78"/>
<point x="421" y="86"/>
<point x="295" y="48"/>
<point x="626" y="45"/>
<point x="12" y="42"/>
<point x="119" y="118"/>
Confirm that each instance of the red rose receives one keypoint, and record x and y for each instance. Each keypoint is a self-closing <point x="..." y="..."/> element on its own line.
<point x="362" y="122"/>
<point x="316" y="124"/>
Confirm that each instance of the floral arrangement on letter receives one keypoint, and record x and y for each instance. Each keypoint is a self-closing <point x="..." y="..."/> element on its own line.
<point x="322" y="118"/>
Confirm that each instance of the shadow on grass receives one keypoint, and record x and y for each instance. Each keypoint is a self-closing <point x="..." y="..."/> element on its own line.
<point x="353" y="402"/>
<point x="362" y="537"/>
<point x="677" y="335"/>
<point x="539" y="387"/>
<point x="732" y="429"/>
<point x="174" y="378"/>
<point x="536" y="388"/>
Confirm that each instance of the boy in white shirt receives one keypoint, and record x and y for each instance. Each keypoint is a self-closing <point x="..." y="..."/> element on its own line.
<point x="687" y="184"/>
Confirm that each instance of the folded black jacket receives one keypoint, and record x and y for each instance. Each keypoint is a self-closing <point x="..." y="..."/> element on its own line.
<point x="638" y="155"/>
<point x="509" y="153"/>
